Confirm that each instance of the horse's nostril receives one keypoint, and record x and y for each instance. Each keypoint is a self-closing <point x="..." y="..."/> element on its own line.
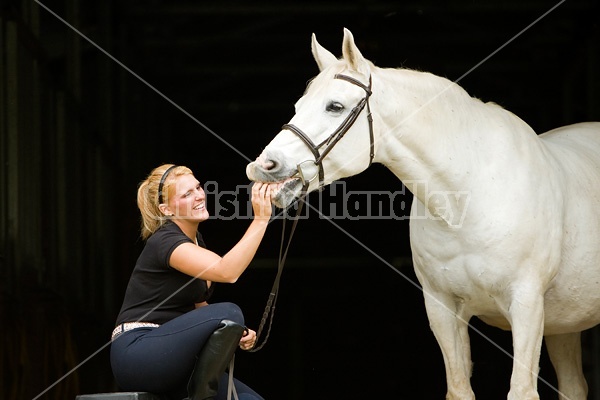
<point x="269" y="165"/>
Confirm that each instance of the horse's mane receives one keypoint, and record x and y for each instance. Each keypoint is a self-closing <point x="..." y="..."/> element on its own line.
<point x="431" y="85"/>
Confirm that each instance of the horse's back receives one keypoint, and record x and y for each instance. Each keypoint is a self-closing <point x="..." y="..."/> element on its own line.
<point x="574" y="155"/>
<point x="583" y="138"/>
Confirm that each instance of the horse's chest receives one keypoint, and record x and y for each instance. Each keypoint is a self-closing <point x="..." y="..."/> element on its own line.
<point x="475" y="277"/>
<point x="463" y="278"/>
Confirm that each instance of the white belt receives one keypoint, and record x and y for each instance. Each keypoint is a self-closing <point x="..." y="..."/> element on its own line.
<point x="127" y="326"/>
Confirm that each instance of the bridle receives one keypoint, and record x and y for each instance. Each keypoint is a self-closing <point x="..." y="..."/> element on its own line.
<point x="335" y="137"/>
<point x="331" y="141"/>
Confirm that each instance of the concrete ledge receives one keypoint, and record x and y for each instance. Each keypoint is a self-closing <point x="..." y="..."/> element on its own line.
<point x="121" y="396"/>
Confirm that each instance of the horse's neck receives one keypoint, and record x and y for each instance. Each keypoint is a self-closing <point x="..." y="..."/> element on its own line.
<point x="435" y="137"/>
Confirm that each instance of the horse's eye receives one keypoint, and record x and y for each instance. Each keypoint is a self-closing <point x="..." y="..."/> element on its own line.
<point x="334" y="106"/>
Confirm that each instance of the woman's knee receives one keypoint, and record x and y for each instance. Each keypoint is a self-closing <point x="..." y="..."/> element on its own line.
<point x="230" y="311"/>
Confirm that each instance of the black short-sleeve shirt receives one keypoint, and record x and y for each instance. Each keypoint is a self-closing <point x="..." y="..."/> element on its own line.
<point x="157" y="292"/>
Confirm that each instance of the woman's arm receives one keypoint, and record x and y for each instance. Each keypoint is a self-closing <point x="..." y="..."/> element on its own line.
<point x="204" y="264"/>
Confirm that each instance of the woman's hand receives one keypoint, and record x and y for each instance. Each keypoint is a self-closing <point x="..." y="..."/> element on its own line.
<point x="248" y="341"/>
<point x="261" y="200"/>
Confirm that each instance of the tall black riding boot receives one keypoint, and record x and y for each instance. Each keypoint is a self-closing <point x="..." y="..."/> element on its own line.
<point x="213" y="360"/>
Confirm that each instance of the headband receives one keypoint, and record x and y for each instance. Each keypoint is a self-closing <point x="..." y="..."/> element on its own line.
<point x="162" y="182"/>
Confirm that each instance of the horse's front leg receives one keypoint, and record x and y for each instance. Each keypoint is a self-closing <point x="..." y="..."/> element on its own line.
<point x="449" y="324"/>
<point x="526" y="314"/>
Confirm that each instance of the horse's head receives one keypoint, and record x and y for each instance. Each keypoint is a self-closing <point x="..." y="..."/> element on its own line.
<point x="330" y="136"/>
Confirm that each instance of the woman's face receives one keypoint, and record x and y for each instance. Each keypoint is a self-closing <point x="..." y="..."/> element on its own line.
<point x="187" y="199"/>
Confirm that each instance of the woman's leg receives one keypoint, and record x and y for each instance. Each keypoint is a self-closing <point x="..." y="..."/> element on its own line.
<point x="244" y="392"/>
<point x="162" y="359"/>
<point x="213" y="361"/>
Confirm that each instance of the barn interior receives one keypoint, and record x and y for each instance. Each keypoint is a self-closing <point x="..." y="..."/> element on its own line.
<point x="95" y="94"/>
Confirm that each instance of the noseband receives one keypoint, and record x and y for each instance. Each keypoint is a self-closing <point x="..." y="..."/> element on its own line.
<point x="335" y="137"/>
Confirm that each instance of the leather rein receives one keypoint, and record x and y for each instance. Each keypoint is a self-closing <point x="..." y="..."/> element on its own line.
<point x="319" y="156"/>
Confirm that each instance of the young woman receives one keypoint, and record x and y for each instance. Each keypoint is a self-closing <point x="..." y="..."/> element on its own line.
<point x="168" y="339"/>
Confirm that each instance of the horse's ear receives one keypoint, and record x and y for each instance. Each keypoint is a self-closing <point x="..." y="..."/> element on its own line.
<point x="322" y="56"/>
<point x="352" y="55"/>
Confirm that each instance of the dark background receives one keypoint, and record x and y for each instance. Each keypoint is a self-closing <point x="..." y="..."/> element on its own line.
<point x="79" y="131"/>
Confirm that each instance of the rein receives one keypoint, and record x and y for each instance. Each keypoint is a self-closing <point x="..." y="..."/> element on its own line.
<point x="331" y="141"/>
<point x="269" y="311"/>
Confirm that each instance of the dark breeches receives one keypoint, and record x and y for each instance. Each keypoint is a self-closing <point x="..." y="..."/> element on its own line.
<point x="161" y="360"/>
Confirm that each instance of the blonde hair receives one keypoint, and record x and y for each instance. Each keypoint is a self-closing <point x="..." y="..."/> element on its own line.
<point x="148" y="196"/>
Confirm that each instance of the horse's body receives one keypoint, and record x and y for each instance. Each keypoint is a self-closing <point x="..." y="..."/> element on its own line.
<point x="505" y="223"/>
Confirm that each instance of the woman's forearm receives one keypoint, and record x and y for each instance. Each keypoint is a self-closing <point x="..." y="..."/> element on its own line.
<point x="235" y="262"/>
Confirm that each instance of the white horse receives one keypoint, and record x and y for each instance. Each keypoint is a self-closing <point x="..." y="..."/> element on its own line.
<point x="512" y="227"/>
